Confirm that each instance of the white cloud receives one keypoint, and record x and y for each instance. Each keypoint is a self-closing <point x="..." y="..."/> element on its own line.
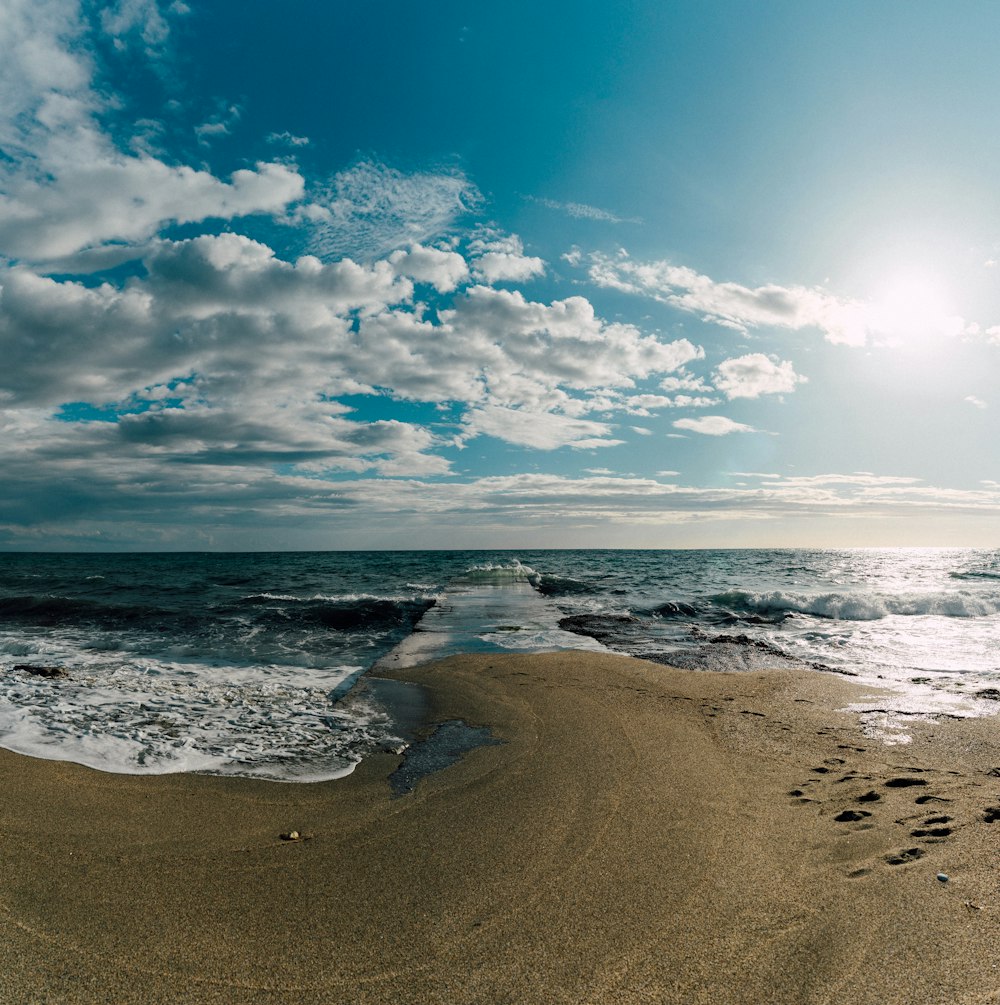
<point x="500" y="257"/>
<point x="286" y="138"/>
<point x="683" y="381"/>
<point x="254" y="348"/>
<point x="371" y="209"/>
<point x="65" y="185"/>
<point x="142" y="17"/>
<point x="863" y="479"/>
<point x="220" y="124"/>
<point x="130" y="500"/>
<point x="733" y="305"/>
<point x="209" y="305"/>
<point x="582" y="211"/>
<point x="443" y="270"/>
<point x="541" y="430"/>
<point x="128" y="199"/>
<point x="755" y="374"/>
<point x="978" y="402"/>
<point x="713" y="425"/>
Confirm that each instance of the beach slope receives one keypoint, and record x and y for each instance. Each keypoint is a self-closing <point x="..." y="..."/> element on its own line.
<point x="641" y="835"/>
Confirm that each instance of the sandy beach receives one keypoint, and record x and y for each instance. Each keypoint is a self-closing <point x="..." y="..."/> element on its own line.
<point x="641" y="835"/>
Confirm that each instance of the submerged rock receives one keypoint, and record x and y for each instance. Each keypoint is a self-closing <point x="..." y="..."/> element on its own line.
<point x="603" y="627"/>
<point x="41" y="671"/>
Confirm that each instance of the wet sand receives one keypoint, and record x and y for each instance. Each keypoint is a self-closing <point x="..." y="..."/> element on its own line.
<point x="642" y="835"/>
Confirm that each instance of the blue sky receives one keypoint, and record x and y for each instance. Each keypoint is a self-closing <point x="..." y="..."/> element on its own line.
<point x="645" y="274"/>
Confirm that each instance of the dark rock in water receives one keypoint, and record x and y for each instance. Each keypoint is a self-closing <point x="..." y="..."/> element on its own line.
<point x="39" y="671"/>
<point x="672" y="610"/>
<point x="990" y="692"/>
<point x="603" y="627"/>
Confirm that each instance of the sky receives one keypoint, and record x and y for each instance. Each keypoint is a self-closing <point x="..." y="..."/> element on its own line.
<point x="331" y="275"/>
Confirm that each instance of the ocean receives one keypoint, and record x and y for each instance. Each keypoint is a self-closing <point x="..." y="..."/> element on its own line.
<point x="254" y="664"/>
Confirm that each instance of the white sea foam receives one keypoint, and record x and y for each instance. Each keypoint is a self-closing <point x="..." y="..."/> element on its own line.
<point x="142" y="716"/>
<point x="347" y="598"/>
<point x="495" y="574"/>
<point x="864" y="606"/>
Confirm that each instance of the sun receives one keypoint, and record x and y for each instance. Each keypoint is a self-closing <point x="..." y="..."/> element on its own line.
<point x="913" y="310"/>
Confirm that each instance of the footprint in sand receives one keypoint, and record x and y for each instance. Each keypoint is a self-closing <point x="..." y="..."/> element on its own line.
<point x="923" y="800"/>
<point x="849" y="816"/>
<point x="931" y="832"/>
<point x="904" y="856"/>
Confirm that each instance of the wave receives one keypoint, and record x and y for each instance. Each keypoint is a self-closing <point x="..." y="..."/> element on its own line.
<point x="564" y="586"/>
<point x="362" y="612"/>
<point x="254" y="599"/>
<point x="342" y="614"/>
<point x="499" y="575"/>
<point x="671" y="610"/>
<point x="55" y="612"/>
<point x="857" y="607"/>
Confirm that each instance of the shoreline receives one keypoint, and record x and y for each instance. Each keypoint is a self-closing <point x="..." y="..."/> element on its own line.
<point x="637" y="837"/>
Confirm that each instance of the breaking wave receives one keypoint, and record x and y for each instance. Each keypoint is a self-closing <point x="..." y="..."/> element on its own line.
<point x="858" y="607"/>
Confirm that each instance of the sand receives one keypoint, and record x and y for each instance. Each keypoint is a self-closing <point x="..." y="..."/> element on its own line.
<point x="642" y="835"/>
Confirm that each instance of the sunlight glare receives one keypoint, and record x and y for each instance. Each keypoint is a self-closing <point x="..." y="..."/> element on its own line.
<point x="914" y="310"/>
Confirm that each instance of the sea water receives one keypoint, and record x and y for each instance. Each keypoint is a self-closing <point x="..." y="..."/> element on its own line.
<point x="248" y="664"/>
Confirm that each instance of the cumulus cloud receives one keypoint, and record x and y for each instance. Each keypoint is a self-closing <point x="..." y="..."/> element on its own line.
<point x="500" y="257"/>
<point x="543" y="431"/>
<point x="443" y="270"/>
<point x="123" y="198"/>
<point x="564" y="340"/>
<point x="713" y="425"/>
<point x="208" y="305"/>
<point x="755" y="374"/>
<point x="223" y="355"/>
<point x="65" y="184"/>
